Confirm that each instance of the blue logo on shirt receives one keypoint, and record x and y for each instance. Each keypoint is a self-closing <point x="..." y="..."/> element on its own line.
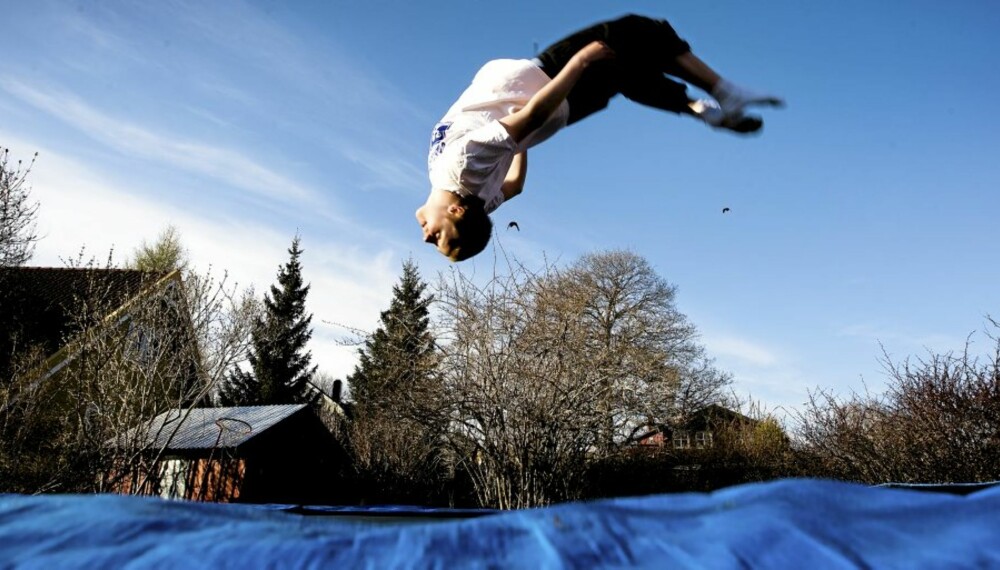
<point x="437" y="139"/>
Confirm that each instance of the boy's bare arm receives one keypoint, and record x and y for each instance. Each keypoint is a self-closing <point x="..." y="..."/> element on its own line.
<point x="523" y="122"/>
<point x="514" y="182"/>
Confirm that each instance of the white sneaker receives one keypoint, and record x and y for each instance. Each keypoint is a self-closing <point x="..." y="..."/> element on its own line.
<point x="733" y="98"/>
<point x="713" y="115"/>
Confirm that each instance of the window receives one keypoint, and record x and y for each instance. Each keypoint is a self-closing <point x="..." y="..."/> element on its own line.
<point x="173" y="478"/>
<point x="682" y="439"/>
<point x="703" y="439"/>
<point x="145" y="344"/>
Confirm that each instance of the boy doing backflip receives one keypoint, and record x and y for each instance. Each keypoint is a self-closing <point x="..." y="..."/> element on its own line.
<point x="478" y="154"/>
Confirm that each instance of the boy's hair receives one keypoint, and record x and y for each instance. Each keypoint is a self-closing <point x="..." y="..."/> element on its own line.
<point x="474" y="228"/>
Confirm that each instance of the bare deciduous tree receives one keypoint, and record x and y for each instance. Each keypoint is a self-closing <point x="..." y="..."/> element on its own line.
<point x="938" y="422"/>
<point x="197" y="338"/>
<point x="17" y="212"/>
<point x="17" y="240"/>
<point x="223" y="315"/>
<point x="514" y="395"/>
<point x="644" y="349"/>
<point x="165" y="254"/>
<point x="545" y="372"/>
<point x="89" y="410"/>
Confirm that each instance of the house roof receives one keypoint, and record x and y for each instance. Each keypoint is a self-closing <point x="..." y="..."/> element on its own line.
<point x="700" y="419"/>
<point x="715" y="412"/>
<point x="44" y="302"/>
<point x="208" y="428"/>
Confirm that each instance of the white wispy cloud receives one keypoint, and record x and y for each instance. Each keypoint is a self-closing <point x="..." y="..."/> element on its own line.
<point x="218" y="88"/>
<point x="80" y="206"/>
<point x="218" y="163"/>
<point x="93" y="28"/>
<point x="781" y="393"/>
<point x="345" y="91"/>
<point x="741" y="349"/>
<point x="240" y="69"/>
<point x="387" y="170"/>
<point x="762" y="374"/>
<point x="902" y="338"/>
<point x="74" y="22"/>
<point x="324" y="69"/>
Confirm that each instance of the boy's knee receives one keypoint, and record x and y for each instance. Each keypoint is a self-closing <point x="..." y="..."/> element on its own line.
<point x="640" y="37"/>
<point x="632" y="19"/>
<point x="633" y="23"/>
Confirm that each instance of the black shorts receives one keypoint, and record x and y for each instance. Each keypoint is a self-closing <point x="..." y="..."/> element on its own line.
<point x="644" y="52"/>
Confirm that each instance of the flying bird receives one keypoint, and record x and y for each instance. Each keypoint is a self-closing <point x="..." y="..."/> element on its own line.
<point x="724" y="210"/>
<point x="514" y="225"/>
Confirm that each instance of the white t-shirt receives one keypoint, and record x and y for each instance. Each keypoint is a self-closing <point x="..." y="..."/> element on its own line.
<point x="471" y="151"/>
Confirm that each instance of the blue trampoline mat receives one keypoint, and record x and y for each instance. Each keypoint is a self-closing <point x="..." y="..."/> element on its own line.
<point x="781" y="524"/>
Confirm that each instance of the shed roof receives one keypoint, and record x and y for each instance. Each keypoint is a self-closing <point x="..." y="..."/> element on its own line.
<point x="45" y="301"/>
<point x="207" y="428"/>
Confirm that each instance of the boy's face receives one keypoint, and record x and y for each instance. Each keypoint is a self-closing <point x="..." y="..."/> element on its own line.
<point x="438" y="224"/>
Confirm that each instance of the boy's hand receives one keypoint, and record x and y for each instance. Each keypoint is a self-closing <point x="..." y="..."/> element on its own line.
<point x="594" y="51"/>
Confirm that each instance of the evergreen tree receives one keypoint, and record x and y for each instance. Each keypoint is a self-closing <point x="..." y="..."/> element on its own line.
<point x="398" y="418"/>
<point x="280" y="368"/>
<point x="239" y="388"/>
<point x="399" y="356"/>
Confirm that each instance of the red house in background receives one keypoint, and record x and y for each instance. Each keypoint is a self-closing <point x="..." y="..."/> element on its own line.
<point x="696" y="432"/>
<point x="253" y="454"/>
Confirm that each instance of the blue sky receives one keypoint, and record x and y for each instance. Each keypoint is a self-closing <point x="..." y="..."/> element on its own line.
<point x="864" y="214"/>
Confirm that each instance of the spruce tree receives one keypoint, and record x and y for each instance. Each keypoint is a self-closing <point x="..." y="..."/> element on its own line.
<point x="279" y="362"/>
<point x="399" y="356"/>
<point x="238" y="389"/>
<point x="398" y="420"/>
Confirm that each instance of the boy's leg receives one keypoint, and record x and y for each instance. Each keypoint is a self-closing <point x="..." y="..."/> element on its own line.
<point x="731" y="97"/>
<point x="692" y="69"/>
<point x="655" y="43"/>
<point x="644" y="48"/>
<point x="654" y="90"/>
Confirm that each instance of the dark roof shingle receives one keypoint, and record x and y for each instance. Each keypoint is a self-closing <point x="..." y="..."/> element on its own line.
<point x="43" y="303"/>
<point x="208" y="428"/>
